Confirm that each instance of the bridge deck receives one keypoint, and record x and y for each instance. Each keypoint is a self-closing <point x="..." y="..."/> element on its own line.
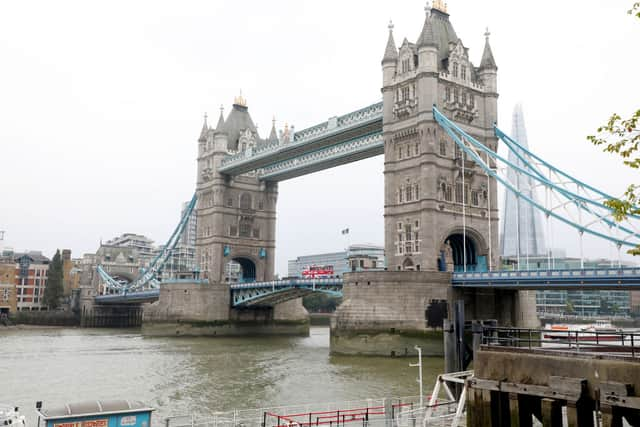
<point x="277" y="291"/>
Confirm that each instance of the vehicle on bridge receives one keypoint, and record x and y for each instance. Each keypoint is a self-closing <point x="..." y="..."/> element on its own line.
<point x="318" y="272"/>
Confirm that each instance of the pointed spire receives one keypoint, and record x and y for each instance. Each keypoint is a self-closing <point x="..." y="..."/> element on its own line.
<point x="391" y="52"/>
<point x="205" y="129"/>
<point x="220" y="124"/>
<point x="487" y="61"/>
<point x="427" y="36"/>
<point x="273" y="136"/>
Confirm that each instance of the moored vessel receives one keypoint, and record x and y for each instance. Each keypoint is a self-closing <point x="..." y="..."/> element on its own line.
<point x="10" y="416"/>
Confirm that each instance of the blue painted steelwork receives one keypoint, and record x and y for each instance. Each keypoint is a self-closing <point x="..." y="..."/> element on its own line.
<point x="371" y="144"/>
<point x="129" y="298"/>
<point x="278" y="291"/>
<point x="591" y="279"/>
<point x="596" y="213"/>
<point x="335" y="132"/>
<point x="148" y="278"/>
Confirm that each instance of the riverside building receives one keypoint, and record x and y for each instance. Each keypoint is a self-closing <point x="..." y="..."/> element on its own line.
<point x="355" y="258"/>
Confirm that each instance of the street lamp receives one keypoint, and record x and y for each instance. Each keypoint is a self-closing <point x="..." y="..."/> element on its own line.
<point x="419" y="365"/>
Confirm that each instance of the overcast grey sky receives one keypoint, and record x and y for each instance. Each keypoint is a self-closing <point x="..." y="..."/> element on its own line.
<point x="101" y="103"/>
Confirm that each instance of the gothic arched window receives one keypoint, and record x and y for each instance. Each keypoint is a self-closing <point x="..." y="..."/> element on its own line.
<point x="245" y="201"/>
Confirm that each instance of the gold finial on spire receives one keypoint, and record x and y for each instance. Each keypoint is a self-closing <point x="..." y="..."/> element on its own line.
<point x="487" y="33"/>
<point x="239" y="100"/>
<point x="440" y="5"/>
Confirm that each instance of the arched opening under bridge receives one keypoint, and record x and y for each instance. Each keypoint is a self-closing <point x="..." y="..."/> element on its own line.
<point x="463" y="252"/>
<point x="240" y="270"/>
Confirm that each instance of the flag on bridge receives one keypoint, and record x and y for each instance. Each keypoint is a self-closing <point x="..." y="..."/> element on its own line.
<point x="345" y="231"/>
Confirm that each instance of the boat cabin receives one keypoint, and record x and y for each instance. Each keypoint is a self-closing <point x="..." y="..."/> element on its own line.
<point x="97" y="413"/>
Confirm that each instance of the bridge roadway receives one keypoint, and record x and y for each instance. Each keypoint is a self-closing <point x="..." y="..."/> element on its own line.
<point x="278" y="291"/>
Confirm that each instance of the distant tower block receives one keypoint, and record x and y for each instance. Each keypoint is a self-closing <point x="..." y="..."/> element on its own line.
<point x="236" y="216"/>
<point x="522" y="230"/>
<point x="426" y="181"/>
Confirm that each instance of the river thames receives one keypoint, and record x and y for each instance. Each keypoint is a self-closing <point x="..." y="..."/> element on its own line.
<point x="192" y="375"/>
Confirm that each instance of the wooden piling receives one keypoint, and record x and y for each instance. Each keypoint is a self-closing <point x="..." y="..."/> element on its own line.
<point x="551" y="413"/>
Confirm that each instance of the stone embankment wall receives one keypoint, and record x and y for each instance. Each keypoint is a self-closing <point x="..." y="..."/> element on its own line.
<point x="45" y="318"/>
<point x="194" y="309"/>
<point x="385" y="313"/>
<point x="511" y="386"/>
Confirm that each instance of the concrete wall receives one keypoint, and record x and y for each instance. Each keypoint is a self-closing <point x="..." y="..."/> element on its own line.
<point x="384" y="313"/>
<point x="525" y="367"/>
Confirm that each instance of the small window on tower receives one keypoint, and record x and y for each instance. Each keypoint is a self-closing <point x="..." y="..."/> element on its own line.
<point x="455" y="69"/>
<point x="417" y="149"/>
<point x="475" y="199"/>
<point x="405" y="93"/>
<point x="443" y="147"/>
<point x="463" y="72"/>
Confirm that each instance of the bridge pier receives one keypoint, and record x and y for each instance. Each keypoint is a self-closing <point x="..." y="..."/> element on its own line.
<point x="198" y="309"/>
<point x="388" y="313"/>
<point x="111" y="316"/>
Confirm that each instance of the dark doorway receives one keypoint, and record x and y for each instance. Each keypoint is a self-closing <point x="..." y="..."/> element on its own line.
<point x="247" y="271"/>
<point x="463" y="249"/>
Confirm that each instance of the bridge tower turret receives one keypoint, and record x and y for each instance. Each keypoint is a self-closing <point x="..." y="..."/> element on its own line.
<point x="440" y="209"/>
<point x="235" y="238"/>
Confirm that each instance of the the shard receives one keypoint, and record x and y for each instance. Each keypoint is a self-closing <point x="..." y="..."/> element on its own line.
<point x="522" y="228"/>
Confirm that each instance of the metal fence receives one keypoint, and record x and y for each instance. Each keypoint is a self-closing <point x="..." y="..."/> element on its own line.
<point x="380" y="412"/>
<point x="620" y="342"/>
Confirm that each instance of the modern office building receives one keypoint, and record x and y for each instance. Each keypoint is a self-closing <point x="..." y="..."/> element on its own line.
<point x="189" y="235"/>
<point x="581" y="303"/>
<point x="32" y="270"/>
<point x="143" y="245"/>
<point x="356" y="257"/>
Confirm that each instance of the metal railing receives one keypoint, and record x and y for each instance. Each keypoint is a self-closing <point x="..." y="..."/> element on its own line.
<point x="257" y="417"/>
<point x="619" y="342"/>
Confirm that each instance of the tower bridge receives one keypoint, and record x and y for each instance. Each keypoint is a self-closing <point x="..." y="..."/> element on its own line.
<point x="436" y="127"/>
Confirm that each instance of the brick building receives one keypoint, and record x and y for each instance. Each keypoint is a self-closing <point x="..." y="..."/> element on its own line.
<point x="8" y="301"/>
<point x="31" y="273"/>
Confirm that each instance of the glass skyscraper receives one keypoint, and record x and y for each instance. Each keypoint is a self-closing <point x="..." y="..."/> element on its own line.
<point x="522" y="232"/>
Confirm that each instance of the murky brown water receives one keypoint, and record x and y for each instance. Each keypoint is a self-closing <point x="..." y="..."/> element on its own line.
<point x="185" y="375"/>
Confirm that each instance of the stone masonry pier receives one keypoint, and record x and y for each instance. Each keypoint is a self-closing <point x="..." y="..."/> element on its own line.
<point x="196" y="309"/>
<point x="387" y="313"/>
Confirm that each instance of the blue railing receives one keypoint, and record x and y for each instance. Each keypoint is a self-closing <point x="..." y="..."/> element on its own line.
<point x="593" y="278"/>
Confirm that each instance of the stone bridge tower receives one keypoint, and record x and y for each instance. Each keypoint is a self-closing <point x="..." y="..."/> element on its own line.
<point x="236" y="216"/>
<point x="428" y="186"/>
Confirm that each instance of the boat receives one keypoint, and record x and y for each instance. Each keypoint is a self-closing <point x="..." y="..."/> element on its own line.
<point x="600" y="331"/>
<point x="10" y="416"/>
